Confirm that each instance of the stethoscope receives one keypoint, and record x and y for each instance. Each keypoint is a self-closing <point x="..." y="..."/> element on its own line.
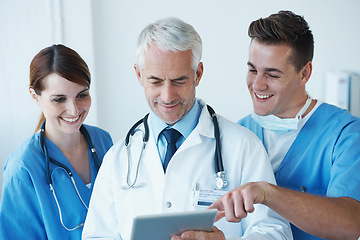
<point x="61" y="166"/>
<point x="220" y="181"/>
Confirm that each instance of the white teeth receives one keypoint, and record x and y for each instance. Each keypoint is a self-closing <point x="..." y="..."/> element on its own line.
<point x="71" y="119"/>
<point x="263" y="96"/>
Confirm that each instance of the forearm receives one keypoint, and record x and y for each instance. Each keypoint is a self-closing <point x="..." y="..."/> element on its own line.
<point x="325" y="217"/>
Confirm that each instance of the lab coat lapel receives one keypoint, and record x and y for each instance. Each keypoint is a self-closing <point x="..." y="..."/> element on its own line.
<point x="204" y="127"/>
<point x="152" y="163"/>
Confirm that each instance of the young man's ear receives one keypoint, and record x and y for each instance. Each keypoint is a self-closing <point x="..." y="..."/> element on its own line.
<point x="305" y="73"/>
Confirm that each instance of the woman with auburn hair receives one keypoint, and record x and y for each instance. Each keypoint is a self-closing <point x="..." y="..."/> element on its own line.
<point x="48" y="180"/>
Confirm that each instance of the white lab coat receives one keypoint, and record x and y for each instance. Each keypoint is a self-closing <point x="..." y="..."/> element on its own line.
<point x="112" y="209"/>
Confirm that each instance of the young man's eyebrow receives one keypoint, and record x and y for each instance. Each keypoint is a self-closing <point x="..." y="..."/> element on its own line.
<point x="273" y="70"/>
<point x="266" y="69"/>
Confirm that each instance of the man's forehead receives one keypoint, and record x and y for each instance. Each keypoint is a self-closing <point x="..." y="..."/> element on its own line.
<point x="269" y="54"/>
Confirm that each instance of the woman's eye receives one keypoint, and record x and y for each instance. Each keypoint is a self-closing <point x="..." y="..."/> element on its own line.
<point x="83" y="95"/>
<point x="59" y="100"/>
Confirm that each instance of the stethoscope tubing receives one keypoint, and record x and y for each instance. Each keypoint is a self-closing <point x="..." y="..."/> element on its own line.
<point x="219" y="167"/>
<point x="48" y="159"/>
<point x="132" y="130"/>
<point x="58" y="205"/>
<point x="145" y="138"/>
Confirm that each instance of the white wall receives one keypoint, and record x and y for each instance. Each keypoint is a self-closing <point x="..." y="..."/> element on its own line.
<point x="104" y="33"/>
<point x="223" y="27"/>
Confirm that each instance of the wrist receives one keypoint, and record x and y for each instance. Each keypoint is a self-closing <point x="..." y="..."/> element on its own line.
<point x="269" y="190"/>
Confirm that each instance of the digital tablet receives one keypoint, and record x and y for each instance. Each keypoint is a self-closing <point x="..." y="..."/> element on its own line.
<point x="163" y="226"/>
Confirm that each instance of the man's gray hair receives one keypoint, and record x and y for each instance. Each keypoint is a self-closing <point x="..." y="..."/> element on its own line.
<point x="169" y="34"/>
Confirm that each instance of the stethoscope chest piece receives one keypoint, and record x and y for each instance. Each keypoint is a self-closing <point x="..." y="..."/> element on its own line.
<point x="220" y="181"/>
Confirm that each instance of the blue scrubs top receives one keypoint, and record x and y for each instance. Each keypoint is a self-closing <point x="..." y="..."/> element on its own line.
<point x="28" y="209"/>
<point x="324" y="158"/>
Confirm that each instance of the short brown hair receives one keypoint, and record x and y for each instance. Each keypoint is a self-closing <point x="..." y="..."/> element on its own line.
<point x="289" y="28"/>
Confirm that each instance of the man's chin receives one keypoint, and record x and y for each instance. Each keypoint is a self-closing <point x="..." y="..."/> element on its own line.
<point x="170" y="119"/>
<point x="261" y="112"/>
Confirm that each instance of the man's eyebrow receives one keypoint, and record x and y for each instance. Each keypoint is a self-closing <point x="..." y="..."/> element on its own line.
<point x="266" y="69"/>
<point x="180" y="78"/>
<point x="154" y="77"/>
<point x="250" y="64"/>
<point x="173" y="79"/>
<point x="273" y="70"/>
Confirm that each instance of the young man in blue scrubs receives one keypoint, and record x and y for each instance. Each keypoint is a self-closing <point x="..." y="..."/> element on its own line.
<point x="314" y="147"/>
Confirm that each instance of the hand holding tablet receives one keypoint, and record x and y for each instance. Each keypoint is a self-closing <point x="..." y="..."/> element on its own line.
<point x="163" y="226"/>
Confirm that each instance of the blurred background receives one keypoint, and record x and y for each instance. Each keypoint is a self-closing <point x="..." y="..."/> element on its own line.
<point x="104" y="33"/>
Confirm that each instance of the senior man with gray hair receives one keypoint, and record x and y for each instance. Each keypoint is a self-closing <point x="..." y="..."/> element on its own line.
<point x="177" y="162"/>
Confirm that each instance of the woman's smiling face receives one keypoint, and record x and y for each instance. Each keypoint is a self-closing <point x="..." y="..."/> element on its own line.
<point x="65" y="104"/>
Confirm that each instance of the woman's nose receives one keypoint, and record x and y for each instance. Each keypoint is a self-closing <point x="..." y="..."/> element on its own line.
<point x="72" y="108"/>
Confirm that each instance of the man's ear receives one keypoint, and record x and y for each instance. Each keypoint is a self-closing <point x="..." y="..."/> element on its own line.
<point x="199" y="73"/>
<point x="138" y="73"/>
<point x="305" y="74"/>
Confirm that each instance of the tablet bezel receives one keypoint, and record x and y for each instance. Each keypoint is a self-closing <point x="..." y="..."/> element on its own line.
<point x="163" y="226"/>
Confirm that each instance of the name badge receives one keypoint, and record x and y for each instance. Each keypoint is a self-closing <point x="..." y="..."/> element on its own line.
<point x="204" y="197"/>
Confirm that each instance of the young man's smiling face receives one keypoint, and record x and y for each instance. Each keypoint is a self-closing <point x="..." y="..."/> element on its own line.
<point x="273" y="82"/>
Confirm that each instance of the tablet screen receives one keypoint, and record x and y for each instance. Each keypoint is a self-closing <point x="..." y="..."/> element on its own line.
<point x="163" y="226"/>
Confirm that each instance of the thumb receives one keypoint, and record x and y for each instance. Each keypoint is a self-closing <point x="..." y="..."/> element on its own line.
<point x="219" y="215"/>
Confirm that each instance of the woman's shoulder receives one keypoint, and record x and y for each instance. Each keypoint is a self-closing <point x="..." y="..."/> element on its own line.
<point x="24" y="158"/>
<point x="28" y="148"/>
<point x="99" y="136"/>
<point x="93" y="130"/>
